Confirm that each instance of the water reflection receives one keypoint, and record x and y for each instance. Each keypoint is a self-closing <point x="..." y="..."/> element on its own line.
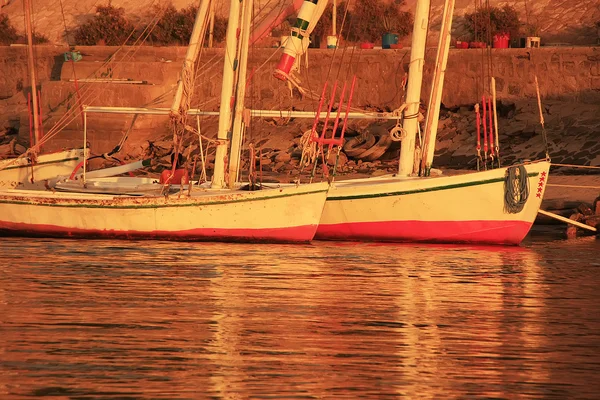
<point x="102" y="319"/>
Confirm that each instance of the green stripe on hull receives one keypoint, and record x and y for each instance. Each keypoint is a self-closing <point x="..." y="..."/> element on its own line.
<point x="143" y="206"/>
<point x="433" y="189"/>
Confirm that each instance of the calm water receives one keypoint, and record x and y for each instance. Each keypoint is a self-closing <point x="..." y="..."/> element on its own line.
<point x="128" y="320"/>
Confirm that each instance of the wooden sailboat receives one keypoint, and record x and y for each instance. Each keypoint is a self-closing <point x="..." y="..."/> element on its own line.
<point x="221" y="212"/>
<point x="32" y="168"/>
<point x="496" y="206"/>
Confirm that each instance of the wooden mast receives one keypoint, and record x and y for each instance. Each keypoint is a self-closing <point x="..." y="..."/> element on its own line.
<point x="225" y="109"/>
<point x="435" y="99"/>
<point x="413" y="89"/>
<point x="238" y="125"/>
<point x="190" y="59"/>
<point x="32" y="76"/>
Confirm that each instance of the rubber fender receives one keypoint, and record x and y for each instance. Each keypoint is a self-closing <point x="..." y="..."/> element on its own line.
<point x="358" y="144"/>
<point x="384" y="141"/>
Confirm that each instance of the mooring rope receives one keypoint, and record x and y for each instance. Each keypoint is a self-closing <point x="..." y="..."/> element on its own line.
<point x="516" y="189"/>
<point x="574" y="186"/>
<point x="575" y="166"/>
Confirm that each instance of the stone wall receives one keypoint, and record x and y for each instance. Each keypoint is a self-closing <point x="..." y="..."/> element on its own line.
<point x="563" y="73"/>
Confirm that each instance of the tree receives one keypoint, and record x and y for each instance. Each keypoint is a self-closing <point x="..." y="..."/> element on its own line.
<point x="486" y="22"/>
<point x="370" y="19"/>
<point x="109" y="25"/>
<point x="175" y="27"/>
<point x="8" y="34"/>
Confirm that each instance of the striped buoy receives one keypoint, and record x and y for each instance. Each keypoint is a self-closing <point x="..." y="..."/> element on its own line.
<point x="293" y="46"/>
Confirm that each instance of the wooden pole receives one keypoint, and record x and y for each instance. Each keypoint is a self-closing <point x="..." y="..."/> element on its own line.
<point x="190" y="58"/>
<point x="435" y="98"/>
<point x="211" y="27"/>
<point x="240" y="94"/>
<point x="32" y="76"/>
<point x="227" y="90"/>
<point x="497" y="144"/>
<point x="334" y="19"/>
<point x="413" y="89"/>
<point x="567" y="220"/>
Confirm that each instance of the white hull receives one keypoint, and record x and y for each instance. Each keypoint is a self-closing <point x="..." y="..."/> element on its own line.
<point x="47" y="166"/>
<point x="467" y="208"/>
<point x="288" y="214"/>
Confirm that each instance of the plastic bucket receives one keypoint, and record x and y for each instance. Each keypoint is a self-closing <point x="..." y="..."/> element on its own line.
<point x="501" y="41"/>
<point x="388" y="39"/>
<point x="477" y="45"/>
<point x="332" y="42"/>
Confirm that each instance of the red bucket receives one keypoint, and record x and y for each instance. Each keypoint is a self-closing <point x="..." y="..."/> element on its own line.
<point x="501" y="40"/>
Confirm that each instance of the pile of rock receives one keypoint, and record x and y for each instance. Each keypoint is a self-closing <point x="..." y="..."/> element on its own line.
<point x="586" y="215"/>
<point x="8" y="143"/>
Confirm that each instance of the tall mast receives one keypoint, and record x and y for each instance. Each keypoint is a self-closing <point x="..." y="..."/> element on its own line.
<point x="32" y="77"/>
<point x="334" y="19"/>
<point x="218" y="180"/>
<point x="413" y="90"/>
<point x="435" y="99"/>
<point x="191" y="57"/>
<point x="236" y="136"/>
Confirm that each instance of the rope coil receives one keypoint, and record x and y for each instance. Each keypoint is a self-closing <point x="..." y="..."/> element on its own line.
<point x="516" y="189"/>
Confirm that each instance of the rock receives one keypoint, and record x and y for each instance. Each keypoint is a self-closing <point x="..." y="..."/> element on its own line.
<point x="464" y="111"/>
<point x="282" y="157"/>
<point x="19" y="149"/>
<point x="585" y="210"/>
<point x="379" y="172"/>
<point x="572" y="229"/>
<point x="8" y="149"/>
<point x="343" y="159"/>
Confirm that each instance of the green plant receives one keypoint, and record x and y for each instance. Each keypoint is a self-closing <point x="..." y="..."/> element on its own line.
<point x="371" y="18"/>
<point x="486" y="22"/>
<point x="162" y="32"/>
<point x="108" y="26"/>
<point x="175" y="27"/>
<point x="220" y="29"/>
<point x="531" y="29"/>
<point x="8" y="33"/>
<point x="325" y="24"/>
<point x="38" y="38"/>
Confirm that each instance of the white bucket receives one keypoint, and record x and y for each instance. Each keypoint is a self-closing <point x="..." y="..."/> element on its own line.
<point x="332" y="42"/>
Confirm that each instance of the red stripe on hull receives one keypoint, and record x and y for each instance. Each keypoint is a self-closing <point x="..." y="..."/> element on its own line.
<point x="485" y="232"/>
<point x="270" y="235"/>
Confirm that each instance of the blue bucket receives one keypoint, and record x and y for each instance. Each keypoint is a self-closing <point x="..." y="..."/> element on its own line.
<point x="389" y="39"/>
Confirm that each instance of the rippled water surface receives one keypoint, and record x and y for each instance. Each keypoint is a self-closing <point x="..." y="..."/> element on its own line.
<point x="127" y="320"/>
